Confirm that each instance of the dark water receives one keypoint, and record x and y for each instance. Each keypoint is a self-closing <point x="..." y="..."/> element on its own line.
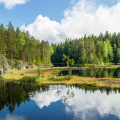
<point x="20" y="101"/>
<point x="98" y="73"/>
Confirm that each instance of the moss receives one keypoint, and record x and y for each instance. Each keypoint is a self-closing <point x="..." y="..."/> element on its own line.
<point x="1" y="59"/>
<point x="16" y="61"/>
<point x="11" y="63"/>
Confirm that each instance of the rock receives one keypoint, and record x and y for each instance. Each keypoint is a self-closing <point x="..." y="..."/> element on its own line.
<point x="4" y="63"/>
<point x="45" y="66"/>
<point x="1" y="70"/>
<point x="12" y="63"/>
<point x="32" y="66"/>
<point x="22" y="65"/>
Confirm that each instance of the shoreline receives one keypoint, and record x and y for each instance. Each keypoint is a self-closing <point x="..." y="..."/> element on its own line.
<point x="47" y="77"/>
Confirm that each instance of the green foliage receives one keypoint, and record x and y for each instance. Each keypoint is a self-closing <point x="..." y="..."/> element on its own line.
<point x="15" y="44"/>
<point x="39" y="71"/>
<point x="88" y="50"/>
<point x="70" y="72"/>
<point x="83" y="55"/>
<point x="57" y="72"/>
<point x="68" y="61"/>
<point x="118" y="54"/>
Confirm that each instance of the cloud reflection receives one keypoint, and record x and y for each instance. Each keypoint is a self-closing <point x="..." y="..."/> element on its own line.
<point x="80" y="103"/>
<point x="13" y="117"/>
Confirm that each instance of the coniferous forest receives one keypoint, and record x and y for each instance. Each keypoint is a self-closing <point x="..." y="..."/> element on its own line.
<point x="90" y="50"/>
<point x="15" y="44"/>
<point x="18" y="45"/>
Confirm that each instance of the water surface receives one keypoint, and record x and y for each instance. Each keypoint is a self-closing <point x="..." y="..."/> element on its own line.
<point x="97" y="73"/>
<point x="20" y="101"/>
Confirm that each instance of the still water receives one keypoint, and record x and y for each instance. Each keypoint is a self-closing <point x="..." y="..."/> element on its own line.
<point x="20" y="101"/>
<point x="98" y="73"/>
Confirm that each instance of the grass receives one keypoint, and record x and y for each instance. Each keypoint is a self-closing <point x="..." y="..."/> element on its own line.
<point x="47" y="77"/>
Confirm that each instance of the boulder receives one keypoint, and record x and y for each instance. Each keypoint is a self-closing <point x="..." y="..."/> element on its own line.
<point x="12" y="63"/>
<point x="32" y="66"/>
<point x="4" y="63"/>
<point x="22" y="65"/>
<point x="17" y="64"/>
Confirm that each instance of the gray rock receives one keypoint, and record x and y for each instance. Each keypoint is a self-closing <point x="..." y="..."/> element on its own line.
<point x="4" y="63"/>
<point x="32" y="66"/>
<point x="22" y="65"/>
<point x="1" y="70"/>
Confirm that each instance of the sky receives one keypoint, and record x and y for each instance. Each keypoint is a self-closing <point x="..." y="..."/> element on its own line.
<point x="57" y="20"/>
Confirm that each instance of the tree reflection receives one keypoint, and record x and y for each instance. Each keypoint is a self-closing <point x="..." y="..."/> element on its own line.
<point x="13" y="94"/>
<point x="97" y="72"/>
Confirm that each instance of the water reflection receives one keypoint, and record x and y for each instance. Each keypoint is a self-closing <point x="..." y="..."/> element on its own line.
<point x="98" y="73"/>
<point x="13" y="94"/>
<point x="77" y="102"/>
<point x="13" y="117"/>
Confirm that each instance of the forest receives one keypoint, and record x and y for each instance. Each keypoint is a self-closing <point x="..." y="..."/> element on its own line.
<point x="15" y="44"/>
<point x="90" y="50"/>
<point x="20" y="45"/>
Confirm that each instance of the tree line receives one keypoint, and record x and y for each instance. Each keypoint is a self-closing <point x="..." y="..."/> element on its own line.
<point x="15" y="44"/>
<point x="89" y="49"/>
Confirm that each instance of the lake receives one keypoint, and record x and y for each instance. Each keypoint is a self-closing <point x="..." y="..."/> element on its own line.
<point x="98" y="73"/>
<point x="24" y="101"/>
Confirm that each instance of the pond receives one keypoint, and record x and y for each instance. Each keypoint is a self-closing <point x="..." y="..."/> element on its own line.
<point x="23" y="101"/>
<point x="98" y="73"/>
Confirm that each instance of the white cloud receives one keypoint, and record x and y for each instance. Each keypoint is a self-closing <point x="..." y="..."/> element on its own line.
<point x="44" y="28"/>
<point x="73" y="1"/>
<point x="84" y="18"/>
<point x="9" y="4"/>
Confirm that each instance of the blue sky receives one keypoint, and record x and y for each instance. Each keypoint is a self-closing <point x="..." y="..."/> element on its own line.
<point x="26" y="13"/>
<point x="56" y="20"/>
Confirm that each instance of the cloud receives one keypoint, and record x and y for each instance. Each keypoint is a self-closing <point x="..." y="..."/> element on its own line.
<point x="9" y="4"/>
<point x="44" y="28"/>
<point x="73" y="1"/>
<point x="84" y="18"/>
